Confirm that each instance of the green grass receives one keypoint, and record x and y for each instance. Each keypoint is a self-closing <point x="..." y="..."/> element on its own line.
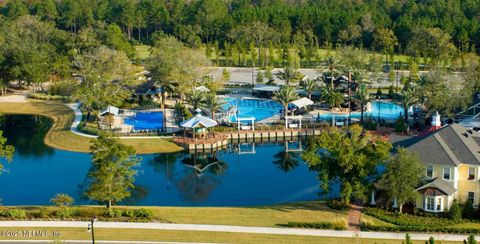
<point x="190" y="236"/>
<point x="61" y="137"/>
<point x="143" y="51"/>
<point x="266" y="216"/>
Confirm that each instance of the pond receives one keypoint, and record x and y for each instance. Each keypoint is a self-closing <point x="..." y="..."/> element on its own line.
<point x="242" y="175"/>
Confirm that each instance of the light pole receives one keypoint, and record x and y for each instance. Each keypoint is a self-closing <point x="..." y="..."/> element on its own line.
<point x="90" y="228"/>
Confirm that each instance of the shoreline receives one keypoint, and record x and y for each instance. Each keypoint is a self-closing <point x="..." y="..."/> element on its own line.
<point x="61" y="137"/>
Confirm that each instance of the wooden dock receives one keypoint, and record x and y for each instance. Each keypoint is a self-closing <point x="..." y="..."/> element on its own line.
<point x="221" y="140"/>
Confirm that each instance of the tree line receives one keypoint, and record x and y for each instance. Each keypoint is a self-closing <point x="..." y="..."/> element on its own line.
<point x="305" y="24"/>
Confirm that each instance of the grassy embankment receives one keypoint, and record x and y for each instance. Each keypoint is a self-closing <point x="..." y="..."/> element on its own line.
<point x="61" y="137"/>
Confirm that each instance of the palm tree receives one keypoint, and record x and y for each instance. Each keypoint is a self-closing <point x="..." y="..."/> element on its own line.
<point x="362" y="97"/>
<point x="408" y="98"/>
<point x="289" y="75"/>
<point x="196" y="99"/>
<point x="331" y="63"/>
<point x="213" y="104"/>
<point x="285" y="96"/>
<point x="332" y="97"/>
<point x="310" y="86"/>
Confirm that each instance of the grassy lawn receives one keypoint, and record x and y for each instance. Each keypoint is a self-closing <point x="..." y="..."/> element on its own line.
<point x="61" y="137"/>
<point x="143" y="51"/>
<point x="189" y="236"/>
<point x="262" y="216"/>
<point x="373" y="221"/>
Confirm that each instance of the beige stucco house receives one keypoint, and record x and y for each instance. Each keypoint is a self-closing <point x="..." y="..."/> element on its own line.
<point x="451" y="156"/>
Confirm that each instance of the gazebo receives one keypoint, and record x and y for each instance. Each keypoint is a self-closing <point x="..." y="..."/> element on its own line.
<point x="198" y="123"/>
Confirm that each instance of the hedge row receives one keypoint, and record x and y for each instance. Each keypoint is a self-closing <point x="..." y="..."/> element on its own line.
<point x="423" y="229"/>
<point x="407" y="220"/>
<point x="77" y="213"/>
<point x="316" y="225"/>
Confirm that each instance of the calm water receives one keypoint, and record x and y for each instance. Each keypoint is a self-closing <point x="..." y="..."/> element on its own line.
<point x="227" y="178"/>
<point x="384" y="110"/>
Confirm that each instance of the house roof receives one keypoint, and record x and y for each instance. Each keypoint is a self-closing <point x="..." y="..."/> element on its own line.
<point x="145" y="87"/>
<point x="266" y="88"/>
<point x="451" y="145"/>
<point x="438" y="183"/>
<point x="198" y="120"/>
<point x="109" y="110"/>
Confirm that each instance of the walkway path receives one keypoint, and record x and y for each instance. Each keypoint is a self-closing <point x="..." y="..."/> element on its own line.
<point x="354" y="216"/>
<point x="235" y="229"/>
<point x="14" y="99"/>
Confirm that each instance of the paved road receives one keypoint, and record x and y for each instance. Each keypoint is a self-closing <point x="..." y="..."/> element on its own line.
<point x="235" y="229"/>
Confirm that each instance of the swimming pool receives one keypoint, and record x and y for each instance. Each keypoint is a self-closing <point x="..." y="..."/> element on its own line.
<point x="384" y="110"/>
<point x="257" y="108"/>
<point x="146" y="121"/>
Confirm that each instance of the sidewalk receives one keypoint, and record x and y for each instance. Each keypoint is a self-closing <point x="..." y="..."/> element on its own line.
<point x="236" y="229"/>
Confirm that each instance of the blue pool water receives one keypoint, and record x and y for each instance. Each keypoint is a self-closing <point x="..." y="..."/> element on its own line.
<point x="384" y="110"/>
<point x="146" y="121"/>
<point x="269" y="176"/>
<point x="259" y="109"/>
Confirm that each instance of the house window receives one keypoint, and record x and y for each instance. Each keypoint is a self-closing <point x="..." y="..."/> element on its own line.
<point x="471" y="196"/>
<point x="430" y="171"/>
<point x="446" y="173"/>
<point x="439" y="204"/>
<point x="471" y="173"/>
<point x="430" y="203"/>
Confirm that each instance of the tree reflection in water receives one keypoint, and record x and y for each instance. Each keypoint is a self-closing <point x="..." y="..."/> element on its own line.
<point x="286" y="160"/>
<point x="202" y="175"/>
<point x="28" y="134"/>
<point x="165" y="164"/>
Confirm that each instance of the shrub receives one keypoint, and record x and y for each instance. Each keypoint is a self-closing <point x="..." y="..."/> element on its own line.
<point x="316" y="225"/>
<point x="62" y="199"/>
<point x="400" y="125"/>
<point x="468" y="211"/>
<point x="14" y="214"/>
<point x="112" y="212"/>
<point x="129" y="213"/>
<point x="370" y="124"/>
<point x="431" y="240"/>
<point x="64" y="213"/>
<point x="41" y="96"/>
<point x="410" y="220"/>
<point x="470" y="240"/>
<point x="455" y="213"/>
<point x="143" y="213"/>
<point x="408" y="240"/>
<point x="62" y="88"/>
<point x="337" y="205"/>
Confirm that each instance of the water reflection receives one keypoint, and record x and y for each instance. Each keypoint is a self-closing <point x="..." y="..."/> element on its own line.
<point x="242" y="175"/>
<point x="27" y="133"/>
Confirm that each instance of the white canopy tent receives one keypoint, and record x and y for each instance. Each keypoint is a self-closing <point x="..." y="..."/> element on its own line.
<point x="302" y="102"/>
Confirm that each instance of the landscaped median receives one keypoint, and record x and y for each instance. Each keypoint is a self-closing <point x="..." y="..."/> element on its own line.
<point x="61" y="137"/>
<point x="374" y="219"/>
